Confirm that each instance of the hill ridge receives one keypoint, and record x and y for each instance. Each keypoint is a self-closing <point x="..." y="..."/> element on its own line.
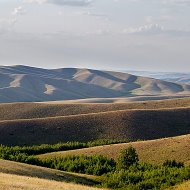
<point x="31" y="84"/>
<point x="99" y="113"/>
<point x="118" y="125"/>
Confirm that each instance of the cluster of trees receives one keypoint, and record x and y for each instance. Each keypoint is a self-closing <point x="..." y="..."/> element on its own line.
<point x="94" y="165"/>
<point x="125" y="173"/>
<point x="132" y="175"/>
<point x="46" y="148"/>
<point x="146" y="176"/>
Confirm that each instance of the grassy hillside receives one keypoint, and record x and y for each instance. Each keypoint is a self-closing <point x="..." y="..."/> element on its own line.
<point x="16" y="182"/>
<point x="132" y="125"/>
<point x="14" y="111"/>
<point x="153" y="151"/>
<point x="37" y="123"/>
<point x="20" y="169"/>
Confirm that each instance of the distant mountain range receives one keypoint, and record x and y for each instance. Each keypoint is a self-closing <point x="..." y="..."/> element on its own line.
<point x="29" y="84"/>
<point x="167" y="76"/>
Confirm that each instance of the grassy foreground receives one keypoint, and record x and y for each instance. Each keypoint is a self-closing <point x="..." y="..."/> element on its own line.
<point x="15" y="182"/>
<point x="21" y="169"/>
<point x="125" y="173"/>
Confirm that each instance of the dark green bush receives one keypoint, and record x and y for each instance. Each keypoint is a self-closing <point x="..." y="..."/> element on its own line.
<point x="127" y="158"/>
<point x="146" y="177"/>
<point x="46" y="148"/>
<point x="96" y="165"/>
<point x="130" y="175"/>
<point x="173" y="163"/>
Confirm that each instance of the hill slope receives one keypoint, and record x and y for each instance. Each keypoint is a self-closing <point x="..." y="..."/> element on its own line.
<point x="22" y="169"/>
<point x="127" y="124"/>
<point x="23" y="176"/>
<point x="13" y="111"/>
<point x="183" y="78"/>
<point x="28" y="84"/>
<point x="15" y="182"/>
<point x="153" y="151"/>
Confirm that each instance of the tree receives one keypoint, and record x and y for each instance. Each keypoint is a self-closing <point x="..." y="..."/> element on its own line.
<point x="127" y="158"/>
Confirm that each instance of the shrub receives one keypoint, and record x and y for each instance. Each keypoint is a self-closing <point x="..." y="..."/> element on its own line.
<point x="146" y="177"/>
<point x="127" y="158"/>
<point x="95" y="165"/>
<point x="173" y="163"/>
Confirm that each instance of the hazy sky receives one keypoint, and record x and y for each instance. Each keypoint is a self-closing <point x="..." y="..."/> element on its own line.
<point x="151" y="35"/>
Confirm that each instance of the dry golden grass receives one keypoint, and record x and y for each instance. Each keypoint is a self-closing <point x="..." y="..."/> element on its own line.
<point x="154" y="151"/>
<point x="36" y="123"/>
<point x="21" y="169"/>
<point x="15" y="182"/>
<point x="183" y="186"/>
<point x="128" y="124"/>
<point x="14" y="111"/>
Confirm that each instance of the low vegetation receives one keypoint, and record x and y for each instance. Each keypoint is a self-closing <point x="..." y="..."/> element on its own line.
<point x="131" y="175"/>
<point x="93" y="165"/>
<point x="145" y="176"/>
<point x="124" y="173"/>
<point x="153" y="151"/>
<point x="7" y="151"/>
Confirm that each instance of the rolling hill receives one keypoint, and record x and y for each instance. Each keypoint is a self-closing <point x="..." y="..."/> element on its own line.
<point x="15" y="175"/>
<point x="152" y="151"/>
<point x="13" y="111"/>
<point x="16" y="182"/>
<point x="183" y="78"/>
<point x="29" y="84"/>
<point x="125" y="124"/>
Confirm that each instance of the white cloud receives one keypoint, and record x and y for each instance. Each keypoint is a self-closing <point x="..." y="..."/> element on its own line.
<point x="7" y="24"/>
<point x="18" y="11"/>
<point x="146" y="29"/>
<point x="155" y="29"/>
<point x="62" y="2"/>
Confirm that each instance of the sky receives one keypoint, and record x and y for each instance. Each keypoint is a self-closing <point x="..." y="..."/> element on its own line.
<point x="148" y="35"/>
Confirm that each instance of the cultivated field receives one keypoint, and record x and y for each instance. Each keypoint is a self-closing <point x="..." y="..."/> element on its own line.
<point x="153" y="151"/>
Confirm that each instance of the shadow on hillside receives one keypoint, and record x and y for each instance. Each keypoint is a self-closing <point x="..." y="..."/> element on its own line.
<point x="10" y="167"/>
